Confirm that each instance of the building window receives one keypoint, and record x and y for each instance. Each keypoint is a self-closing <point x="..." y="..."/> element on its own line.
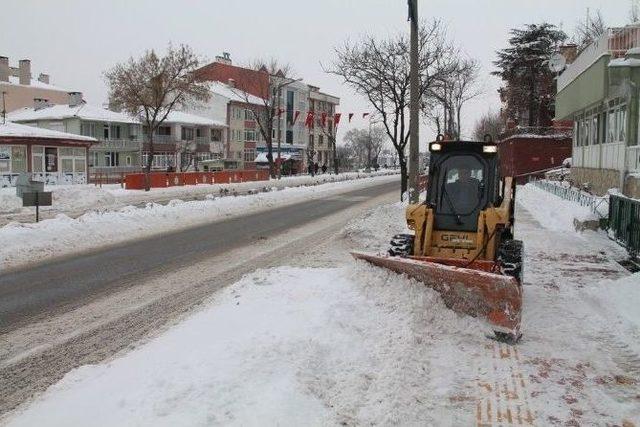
<point x="622" y="123"/>
<point x="128" y="161"/>
<point x="164" y="130"/>
<point x="111" y="159"/>
<point x="88" y="129"/>
<point x="187" y="134"/>
<point x="249" y="135"/>
<point x="320" y="139"/>
<point x="95" y="158"/>
<point x="249" y="154"/>
<point x="115" y="132"/>
<point x="248" y="115"/>
<point x="289" y="136"/>
<point x="105" y="131"/>
<point x="216" y="135"/>
<point x="310" y="140"/>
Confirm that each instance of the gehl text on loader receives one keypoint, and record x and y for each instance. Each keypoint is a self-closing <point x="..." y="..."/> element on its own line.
<point x="463" y="245"/>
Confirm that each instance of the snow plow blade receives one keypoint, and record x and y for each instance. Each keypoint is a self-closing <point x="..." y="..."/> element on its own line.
<point x="473" y="291"/>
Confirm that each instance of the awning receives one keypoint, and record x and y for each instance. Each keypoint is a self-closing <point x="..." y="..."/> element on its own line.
<point x="262" y="157"/>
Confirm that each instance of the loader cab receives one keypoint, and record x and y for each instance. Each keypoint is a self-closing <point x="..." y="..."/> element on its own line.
<point x="463" y="181"/>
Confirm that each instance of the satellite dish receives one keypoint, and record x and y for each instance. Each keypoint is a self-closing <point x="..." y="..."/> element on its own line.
<point x="557" y="62"/>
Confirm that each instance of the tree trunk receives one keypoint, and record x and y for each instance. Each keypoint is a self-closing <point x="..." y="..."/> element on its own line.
<point x="532" y="101"/>
<point x="147" y="177"/>
<point x="272" y="171"/>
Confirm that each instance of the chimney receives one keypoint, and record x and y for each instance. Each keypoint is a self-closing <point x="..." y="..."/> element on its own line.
<point x="4" y="69"/>
<point x="569" y="51"/>
<point x="225" y="58"/>
<point x="40" y="103"/>
<point x="24" y="65"/>
<point x="43" y="78"/>
<point x="75" y="99"/>
<point x="231" y="82"/>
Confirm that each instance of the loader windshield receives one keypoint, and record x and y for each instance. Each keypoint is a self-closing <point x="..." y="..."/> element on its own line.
<point x="460" y="192"/>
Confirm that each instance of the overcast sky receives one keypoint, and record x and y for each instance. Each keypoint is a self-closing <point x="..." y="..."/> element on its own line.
<point x="76" y="40"/>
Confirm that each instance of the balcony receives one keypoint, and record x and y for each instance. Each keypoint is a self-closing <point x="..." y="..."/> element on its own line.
<point x="615" y="42"/>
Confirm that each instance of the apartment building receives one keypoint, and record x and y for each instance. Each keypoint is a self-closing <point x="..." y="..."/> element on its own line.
<point x="599" y="92"/>
<point x="183" y="139"/>
<point x="238" y="91"/>
<point x="322" y="133"/>
<point x="18" y="88"/>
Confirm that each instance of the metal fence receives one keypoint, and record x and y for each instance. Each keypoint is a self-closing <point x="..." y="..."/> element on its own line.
<point x="624" y="222"/>
<point x="598" y="205"/>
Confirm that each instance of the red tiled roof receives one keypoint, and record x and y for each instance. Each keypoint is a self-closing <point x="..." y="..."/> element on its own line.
<point x="251" y="81"/>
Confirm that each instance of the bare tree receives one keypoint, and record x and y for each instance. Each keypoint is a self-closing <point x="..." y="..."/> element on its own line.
<point x="379" y="70"/>
<point x="268" y="111"/>
<point x="329" y="131"/>
<point x="589" y="29"/>
<point x="150" y="87"/>
<point x="366" y="146"/>
<point x="443" y="103"/>
<point x="489" y="123"/>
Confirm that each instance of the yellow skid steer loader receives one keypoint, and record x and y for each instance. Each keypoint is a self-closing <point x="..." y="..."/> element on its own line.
<point x="463" y="245"/>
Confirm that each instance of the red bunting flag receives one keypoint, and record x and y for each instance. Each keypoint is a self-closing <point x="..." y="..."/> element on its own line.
<point x="309" y="120"/>
<point x="350" y="117"/>
<point x="280" y="111"/>
<point x="336" y="118"/>
<point x="324" y="119"/>
<point x="295" y="117"/>
<point x="364" y="115"/>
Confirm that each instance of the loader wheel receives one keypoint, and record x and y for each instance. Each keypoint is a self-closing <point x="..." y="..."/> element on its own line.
<point x="510" y="258"/>
<point x="401" y="245"/>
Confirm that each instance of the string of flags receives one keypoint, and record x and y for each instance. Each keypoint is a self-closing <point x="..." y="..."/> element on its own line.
<point x="322" y="116"/>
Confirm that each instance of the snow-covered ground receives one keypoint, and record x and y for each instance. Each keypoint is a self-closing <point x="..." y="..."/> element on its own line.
<point x="28" y="242"/>
<point x="353" y="344"/>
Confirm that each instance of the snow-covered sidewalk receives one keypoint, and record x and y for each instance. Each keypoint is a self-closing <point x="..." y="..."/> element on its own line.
<point x="357" y="345"/>
<point x="28" y="242"/>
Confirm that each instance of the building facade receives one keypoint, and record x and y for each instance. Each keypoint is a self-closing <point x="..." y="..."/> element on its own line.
<point x="18" y="89"/>
<point x="322" y="132"/>
<point x="599" y="92"/>
<point x="239" y="91"/>
<point x="181" y="141"/>
<point x="47" y="155"/>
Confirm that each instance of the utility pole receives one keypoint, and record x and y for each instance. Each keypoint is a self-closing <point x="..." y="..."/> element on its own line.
<point x="414" y="81"/>
<point x="4" y="108"/>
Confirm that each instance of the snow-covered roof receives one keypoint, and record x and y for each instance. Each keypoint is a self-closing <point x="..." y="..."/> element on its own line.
<point x="624" y="62"/>
<point x="234" y="94"/>
<point x="13" y="80"/>
<point x="192" y="119"/>
<point x="64" y="111"/>
<point x="16" y="130"/>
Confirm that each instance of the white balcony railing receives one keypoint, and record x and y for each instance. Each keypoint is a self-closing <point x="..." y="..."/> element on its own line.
<point x="616" y="42"/>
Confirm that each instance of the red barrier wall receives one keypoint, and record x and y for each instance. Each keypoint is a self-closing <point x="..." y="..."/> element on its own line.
<point x="136" y="181"/>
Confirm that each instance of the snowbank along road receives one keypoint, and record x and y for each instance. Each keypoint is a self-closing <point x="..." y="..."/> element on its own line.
<point x="323" y="340"/>
<point x="81" y="309"/>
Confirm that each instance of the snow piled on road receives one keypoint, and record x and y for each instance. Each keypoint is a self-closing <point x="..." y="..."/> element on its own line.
<point x="285" y="346"/>
<point x="24" y="243"/>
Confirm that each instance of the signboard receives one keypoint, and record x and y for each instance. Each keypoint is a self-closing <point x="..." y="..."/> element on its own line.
<point x="36" y="198"/>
